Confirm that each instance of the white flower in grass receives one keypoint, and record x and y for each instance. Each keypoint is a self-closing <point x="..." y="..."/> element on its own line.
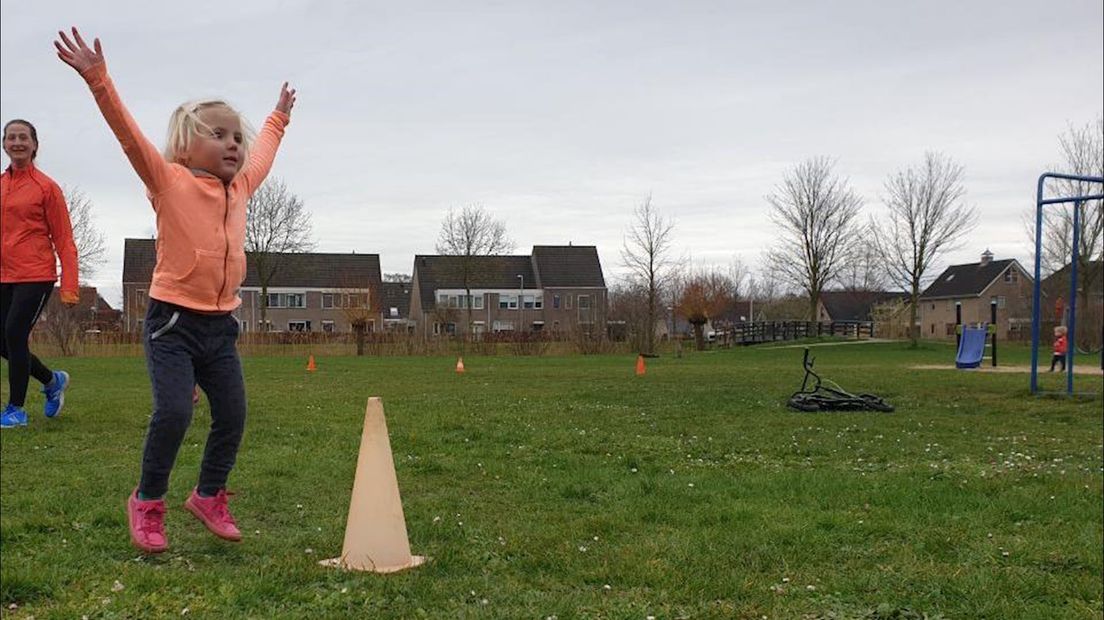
<point x="185" y="611"/>
<point x="810" y="588"/>
<point x="344" y="590"/>
<point x="436" y="519"/>
<point x="607" y="587"/>
<point x="785" y="580"/>
<point x="308" y="551"/>
<point x="582" y="548"/>
<point x="633" y="470"/>
<point x="117" y="586"/>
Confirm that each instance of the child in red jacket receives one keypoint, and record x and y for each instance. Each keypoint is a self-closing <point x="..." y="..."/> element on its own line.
<point x="1061" y="345"/>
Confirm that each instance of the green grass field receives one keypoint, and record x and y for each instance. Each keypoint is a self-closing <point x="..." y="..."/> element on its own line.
<point x="567" y="487"/>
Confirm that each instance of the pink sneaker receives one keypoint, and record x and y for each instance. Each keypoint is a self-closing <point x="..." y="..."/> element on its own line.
<point x="147" y="523"/>
<point x="214" y="512"/>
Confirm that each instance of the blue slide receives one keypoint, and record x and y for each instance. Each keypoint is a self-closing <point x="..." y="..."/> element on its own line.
<point x="972" y="347"/>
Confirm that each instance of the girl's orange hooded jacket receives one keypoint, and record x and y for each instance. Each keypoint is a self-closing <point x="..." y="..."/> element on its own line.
<point x="35" y="231"/>
<point x="200" y="220"/>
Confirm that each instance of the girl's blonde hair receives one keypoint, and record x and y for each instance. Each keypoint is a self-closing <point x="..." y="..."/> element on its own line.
<point x="1060" y="330"/>
<point x="185" y="124"/>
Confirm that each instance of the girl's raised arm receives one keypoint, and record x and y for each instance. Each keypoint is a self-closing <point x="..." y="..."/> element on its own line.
<point x="263" y="152"/>
<point x="147" y="161"/>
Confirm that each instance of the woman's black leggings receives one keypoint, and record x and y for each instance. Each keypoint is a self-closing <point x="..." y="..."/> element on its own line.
<point x="20" y="305"/>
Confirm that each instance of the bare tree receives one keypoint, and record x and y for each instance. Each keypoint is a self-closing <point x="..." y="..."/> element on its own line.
<point x="864" y="269"/>
<point x="926" y="218"/>
<point x="1082" y="150"/>
<point x="817" y="213"/>
<point x="468" y="234"/>
<point x="88" y="239"/>
<point x="403" y="278"/>
<point x="646" y="254"/>
<point x="277" y="223"/>
<point x="64" y="324"/>
<point x="704" y="295"/>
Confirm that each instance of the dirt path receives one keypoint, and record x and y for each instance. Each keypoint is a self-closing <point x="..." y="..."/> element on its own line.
<point x="835" y="344"/>
<point x="1077" y="370"/>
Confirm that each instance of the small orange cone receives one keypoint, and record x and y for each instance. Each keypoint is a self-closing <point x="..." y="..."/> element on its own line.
<point x="459" y="365"/>
<point x="639" y="365"/>
<point x="310" y="364"/>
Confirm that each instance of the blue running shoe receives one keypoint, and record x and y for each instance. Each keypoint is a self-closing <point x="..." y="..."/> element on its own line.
<point x="12" y="417"/>
<point x="55" y="393"/>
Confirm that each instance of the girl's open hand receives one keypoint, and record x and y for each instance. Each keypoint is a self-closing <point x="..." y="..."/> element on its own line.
<point x="76" y="53"/>
<point x="287" y="99"/>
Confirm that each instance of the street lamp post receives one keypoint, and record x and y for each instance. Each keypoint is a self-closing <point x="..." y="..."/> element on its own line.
<point x="520" y="301"/>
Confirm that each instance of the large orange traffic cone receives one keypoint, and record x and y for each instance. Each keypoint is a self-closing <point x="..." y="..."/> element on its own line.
<point x="460" y="365"/>
<point x="375" y="533"/>
<point x="310" y="364"/>
<point x="639" y="365"/>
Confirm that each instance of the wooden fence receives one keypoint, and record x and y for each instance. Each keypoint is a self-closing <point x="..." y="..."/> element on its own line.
<point x="759" y="332"/>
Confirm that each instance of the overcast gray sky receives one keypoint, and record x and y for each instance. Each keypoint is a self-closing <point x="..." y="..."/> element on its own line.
<point x="560" y="117"/>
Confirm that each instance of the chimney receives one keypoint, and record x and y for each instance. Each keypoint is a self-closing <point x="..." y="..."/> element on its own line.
<point x="986" y="257"/>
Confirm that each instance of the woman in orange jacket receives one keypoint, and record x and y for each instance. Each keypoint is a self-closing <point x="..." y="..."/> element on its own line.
<point x="34" y="234"/>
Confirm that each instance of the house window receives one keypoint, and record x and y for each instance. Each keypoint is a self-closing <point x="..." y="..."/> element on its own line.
<point x="264" y="326"/>
<point x="450" y="328"/>
<point x="287" y="300"/>
<point x="507" y="302"/>
<point x="1000" y="299"/>
<point x="528" y="302"/>
<point x="933" y="308"/>
<point x="478" y="302"/>
<point x="328" y="327"/>
<point x="538" y="302"/>
<point x="502" y="326"/>
<point x="442" y="300"/>
<point x="567" y="302"/>
<point x="1011" y="276"/>
<point x="327" y="300"/>
<point x="584" y="302"/>
<point x="299" y="326"/>
<point x="436" y="329"/>
<point x="244" y="326"/>
<point x="394" y="313"/>
<point x="556" y="302"/>
<point x="142" y="294"/>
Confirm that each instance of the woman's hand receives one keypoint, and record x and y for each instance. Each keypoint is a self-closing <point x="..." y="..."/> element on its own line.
<point x="75" y="53"/>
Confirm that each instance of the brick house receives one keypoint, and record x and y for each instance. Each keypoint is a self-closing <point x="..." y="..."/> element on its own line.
<point x="888" y="310"/>
<point x="559" y="289"/>
<point x="309" y="291"/>
<point x="92" y="312"/>
<point x="975" y="285"/>
<point x="856" y="305"/>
